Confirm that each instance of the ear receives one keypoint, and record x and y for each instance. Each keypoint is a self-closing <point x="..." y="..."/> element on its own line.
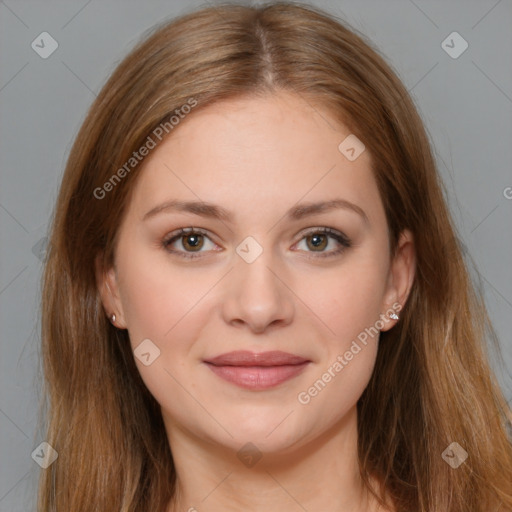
<point x="401" y="277"/>
<point x="106" y="281"/>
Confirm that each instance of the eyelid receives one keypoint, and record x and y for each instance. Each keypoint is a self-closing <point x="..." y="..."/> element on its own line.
<point x="342" y="239"/>
<point x="177" y="234"/>
<point x="324" y="230"/>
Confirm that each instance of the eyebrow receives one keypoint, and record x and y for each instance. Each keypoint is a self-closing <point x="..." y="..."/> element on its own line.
<point x="213" y="211"/>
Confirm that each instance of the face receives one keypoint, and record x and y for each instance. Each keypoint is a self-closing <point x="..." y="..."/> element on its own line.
<point x="251" y="325"/>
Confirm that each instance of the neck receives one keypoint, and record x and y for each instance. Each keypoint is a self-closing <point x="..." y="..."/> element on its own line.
<point x="320" y="475"/>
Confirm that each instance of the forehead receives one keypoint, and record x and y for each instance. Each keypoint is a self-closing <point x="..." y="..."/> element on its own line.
<point x="253" y="153"/>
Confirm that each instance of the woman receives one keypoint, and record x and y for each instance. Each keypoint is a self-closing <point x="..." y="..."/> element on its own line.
<point x="254" y="297"/>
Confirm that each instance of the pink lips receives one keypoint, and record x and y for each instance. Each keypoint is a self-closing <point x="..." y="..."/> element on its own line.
<point x="257" y="371"/>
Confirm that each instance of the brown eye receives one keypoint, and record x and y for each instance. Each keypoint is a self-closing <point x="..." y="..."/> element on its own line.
<point x="188" y="242"/>
<point x="317" y="241"/>
<point x="192" y="242"/>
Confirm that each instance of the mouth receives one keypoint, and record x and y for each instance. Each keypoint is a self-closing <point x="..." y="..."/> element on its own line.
<point x="257" y="371"/>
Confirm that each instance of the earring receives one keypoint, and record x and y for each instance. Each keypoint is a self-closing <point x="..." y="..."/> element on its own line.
<point x="113" y="318"/>
<point x="394" y="316"/>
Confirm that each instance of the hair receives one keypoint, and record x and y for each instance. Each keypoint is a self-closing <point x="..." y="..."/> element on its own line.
<point x="432" y="384"/>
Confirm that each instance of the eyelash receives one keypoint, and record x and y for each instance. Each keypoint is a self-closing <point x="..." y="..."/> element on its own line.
<point x="342" y="239"/>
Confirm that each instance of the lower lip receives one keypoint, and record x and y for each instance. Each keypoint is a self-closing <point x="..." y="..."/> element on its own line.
<point x="258" y="377"/>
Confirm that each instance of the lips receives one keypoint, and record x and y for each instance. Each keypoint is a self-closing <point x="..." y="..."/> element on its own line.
<point x="257" y="371"/>
<point x="246" y="358"/>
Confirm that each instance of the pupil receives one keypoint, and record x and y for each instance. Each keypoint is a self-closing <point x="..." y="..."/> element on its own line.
<point x="318" y="241"/>
<point x="192" y="240"/>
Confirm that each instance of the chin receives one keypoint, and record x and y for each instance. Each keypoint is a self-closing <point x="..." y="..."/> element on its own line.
<point x="268" y="434"/>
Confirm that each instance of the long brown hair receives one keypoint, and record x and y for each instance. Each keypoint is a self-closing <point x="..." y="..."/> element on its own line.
<point x="432" y="383"/>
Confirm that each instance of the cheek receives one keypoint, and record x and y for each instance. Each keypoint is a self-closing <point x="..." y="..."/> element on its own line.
<point x="170" y="307"/>
<point x="157" y="297"/>
<point x="160" y="307"/>
<point x="347" y="301"/>
<point x="350" y="309"/>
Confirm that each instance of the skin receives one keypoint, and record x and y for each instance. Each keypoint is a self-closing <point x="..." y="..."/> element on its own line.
<point x="257" y="157"/>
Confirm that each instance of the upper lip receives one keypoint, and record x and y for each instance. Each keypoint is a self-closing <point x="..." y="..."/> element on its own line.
<point x="247" y="358"/>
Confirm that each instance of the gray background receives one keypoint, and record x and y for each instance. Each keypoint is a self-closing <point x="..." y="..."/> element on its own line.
<point x="466" y="104"/>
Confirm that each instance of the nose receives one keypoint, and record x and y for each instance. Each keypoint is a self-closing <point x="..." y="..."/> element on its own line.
<point x="256" y="295"/>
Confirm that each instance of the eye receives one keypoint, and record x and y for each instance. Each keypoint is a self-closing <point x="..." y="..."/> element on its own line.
<point x="317" y="239"/>
<point x="191" y="240"/>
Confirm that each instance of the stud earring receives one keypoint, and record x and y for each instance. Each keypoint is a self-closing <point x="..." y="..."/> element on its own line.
<point x="113" y="318"/>
<point x="394" y="316"/>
